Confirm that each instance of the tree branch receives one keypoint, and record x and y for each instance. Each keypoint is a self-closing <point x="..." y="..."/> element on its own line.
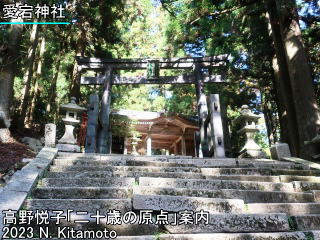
<point x="224" y="11"/>
<point x="164" y="5"/>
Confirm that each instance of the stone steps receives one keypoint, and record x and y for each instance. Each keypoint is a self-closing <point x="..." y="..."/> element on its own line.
<point x="306" y="186"/>
<point x="101" y="163"/>
<point x="124" y="168"/>
<point x="103" y="174"/>
<point x="82" y="192"/>
<point x="306" y="222"/>
<point x="87" y="182"/>
<point x="204" y="171"/>
<point x="230" y="163"/>
<point x="137" y="175"/>
<point x="215" y="184"/>
<point x="245" y="199"/>
<point x="232" y="223"/>
<point x="248" y="196"/>
<point x="297" y="235"/>
<point x="258" y="171"/>
<point x="289" y="208"/>
<point x="178" y="203"/>
<point x="89" y="205"/>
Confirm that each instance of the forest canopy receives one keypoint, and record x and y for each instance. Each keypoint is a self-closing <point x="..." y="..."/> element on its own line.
<point x="38" y="71"/>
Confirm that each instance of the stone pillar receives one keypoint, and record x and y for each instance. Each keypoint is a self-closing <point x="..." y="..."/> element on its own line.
<point x="103" y="140"/>
<point x="202" y="111"/>
<point x="109" y="142"/>
<point x="217" y="127"/>
<point x="280" y="150"/>
<point x="92" y="127"/>
<point x="50" y="135"/>
<point x="225" y="124"/>
<point x="167" y="152"/>
<point x="149" y="146"/>
<point x="125" y="146"/>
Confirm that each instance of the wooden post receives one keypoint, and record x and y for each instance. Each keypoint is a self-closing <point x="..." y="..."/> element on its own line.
<point x="103" y="143"/>
<point x="216" y="126"/>
<point x="92" y="123"/>
<point x="176" y="149"/>
<point x="202" y="111"/>
<point x="183" y="145"/>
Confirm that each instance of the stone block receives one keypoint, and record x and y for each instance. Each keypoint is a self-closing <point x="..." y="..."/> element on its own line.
<point x="306" y="186"/>
<point x="88" y="182"/>
<point x="289" y="208"/>
<point x="91" y="162"/>
<point x="68" y="148"/>
<point x="232" y="223"/>
<point x="50" y="135"/>
<point x="103" y="174"/>
<point x="23" y="185"/>
<point x="280" y="165"/>
<point x="258" y="178"/>
<point x="12" y="200"/>
<point x="290" y="178"/>
<point x="82" y="193"/>
<point x="89" y="205"/>
<point x="307" y="222"/>
<point x="316" y="234"/>
<point x="280" y="150"/>
<point x="61" y="168"/>
<point x="302" y="161"/>
<point x="214" y="184"/>
<point x="181" y="203"/>
<point x="248" y="196"/>
<point x="236" y="236"/>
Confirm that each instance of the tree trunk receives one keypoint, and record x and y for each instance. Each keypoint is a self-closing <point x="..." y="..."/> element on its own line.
<point x="7" y="75"/>
<point x="53" y="88"/>
<point x="28" y="75"/>
<point x="35" y="91"/>
<point x="296" y="91"/>
<point x="269" y="119"/>
<point x="76" y="75"/>
<point x="308" y="117"/>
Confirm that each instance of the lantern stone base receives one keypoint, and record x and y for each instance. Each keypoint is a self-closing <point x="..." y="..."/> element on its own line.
<point x="252" y="150"/>
<point x="68" y="148"/>
<point x="252" y="153"/>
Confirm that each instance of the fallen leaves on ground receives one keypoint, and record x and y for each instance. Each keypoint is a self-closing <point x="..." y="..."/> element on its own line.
<point x="11" y="155"/>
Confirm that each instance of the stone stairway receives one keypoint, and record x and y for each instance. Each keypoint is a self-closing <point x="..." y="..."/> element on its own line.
<point x="242" y="199"/>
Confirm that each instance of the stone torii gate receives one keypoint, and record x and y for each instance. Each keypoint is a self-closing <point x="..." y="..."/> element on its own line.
<point x="98" y="135"/>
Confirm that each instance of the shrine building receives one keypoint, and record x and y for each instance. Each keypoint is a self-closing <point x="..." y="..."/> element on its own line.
<point x="157" y="134"/>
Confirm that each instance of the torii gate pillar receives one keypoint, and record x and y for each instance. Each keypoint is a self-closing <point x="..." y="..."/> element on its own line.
<point x="104" y="133"/>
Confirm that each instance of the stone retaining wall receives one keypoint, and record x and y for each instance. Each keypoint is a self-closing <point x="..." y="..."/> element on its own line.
<point x="20" y="185"/>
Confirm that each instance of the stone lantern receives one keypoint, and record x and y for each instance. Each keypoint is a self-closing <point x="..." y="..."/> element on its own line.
<point x="134" y="143"/>
<point x="248" y="121"/>
<point x="68" y="142"/>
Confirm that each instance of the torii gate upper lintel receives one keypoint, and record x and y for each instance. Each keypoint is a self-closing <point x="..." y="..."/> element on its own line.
<point x="109" y="78"/>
